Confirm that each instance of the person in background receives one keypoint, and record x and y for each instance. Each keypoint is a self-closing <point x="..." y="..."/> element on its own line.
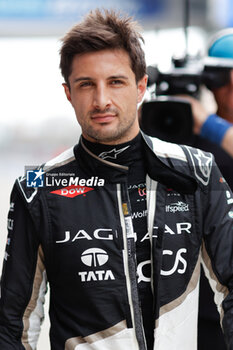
<point x="214" y="133"/>
<point x="118" y="235"/>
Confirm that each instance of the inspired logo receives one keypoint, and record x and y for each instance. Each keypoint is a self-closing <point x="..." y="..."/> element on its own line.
<point x="178" y="206"/>
<point x="113" y="153"/>
<point x="72" y="191"/>
<point x="94" y="257"/>
<point x="35" y="178"/>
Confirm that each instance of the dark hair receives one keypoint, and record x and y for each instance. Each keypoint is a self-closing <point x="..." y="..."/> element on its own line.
<point x="101" y="30"/>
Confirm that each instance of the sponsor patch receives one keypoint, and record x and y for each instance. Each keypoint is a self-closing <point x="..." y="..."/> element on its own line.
<point x="73" y="191"/>
<point x="178" y="206"/>
<point x="95" y="257"/>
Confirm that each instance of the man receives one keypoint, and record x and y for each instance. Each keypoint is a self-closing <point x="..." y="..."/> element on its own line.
<point x="218" y="128"/>
<point x="120" y="229"/>
<point x="215" y="134"/>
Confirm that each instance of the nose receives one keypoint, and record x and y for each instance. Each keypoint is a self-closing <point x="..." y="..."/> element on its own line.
<point x="101" y="98"/>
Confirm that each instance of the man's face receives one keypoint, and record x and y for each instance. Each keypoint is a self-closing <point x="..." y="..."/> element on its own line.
<point x="104" y="94"/>
<point x="224" y="100"/>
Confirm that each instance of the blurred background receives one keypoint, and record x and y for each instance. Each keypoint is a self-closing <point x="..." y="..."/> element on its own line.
<point x="36" y="121"/>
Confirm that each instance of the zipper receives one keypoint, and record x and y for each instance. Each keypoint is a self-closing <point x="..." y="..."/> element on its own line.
<point x="151" y="189"/>
<point x="130" y="266"/>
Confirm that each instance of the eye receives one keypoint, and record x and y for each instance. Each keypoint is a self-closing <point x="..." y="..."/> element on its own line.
<point x="85" y="84"/>
<point x="116" y="82"/>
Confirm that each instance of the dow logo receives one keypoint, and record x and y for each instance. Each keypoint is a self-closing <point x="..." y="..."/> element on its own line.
<point x="94" y="257"/>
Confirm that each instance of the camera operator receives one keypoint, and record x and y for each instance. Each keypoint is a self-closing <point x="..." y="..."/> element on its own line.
<point x="214" y="133"/>
<point x="217" y="128"/>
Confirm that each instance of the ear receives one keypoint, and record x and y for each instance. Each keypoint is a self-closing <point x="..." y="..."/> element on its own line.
<point x="67" y="91"/>
<point x="141" y="86"/>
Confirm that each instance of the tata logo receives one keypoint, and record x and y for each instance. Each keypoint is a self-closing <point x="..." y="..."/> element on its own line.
<point x="95" y="257"/>
<point x="73" y="191"/>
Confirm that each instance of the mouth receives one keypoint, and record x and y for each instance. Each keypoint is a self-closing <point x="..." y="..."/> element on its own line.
<point x="103" y="118"/>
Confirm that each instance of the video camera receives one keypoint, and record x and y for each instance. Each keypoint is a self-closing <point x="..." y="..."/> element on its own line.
<point x="168" y="116"/>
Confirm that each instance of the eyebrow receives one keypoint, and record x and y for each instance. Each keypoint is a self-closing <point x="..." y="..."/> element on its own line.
<point x="109" y="78"/>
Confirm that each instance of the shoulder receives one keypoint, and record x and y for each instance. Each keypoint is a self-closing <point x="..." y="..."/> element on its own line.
<point x="164" y="149"/>
<point x="185" y="159"/>
<point x="201" y="163"/>
<point x="30" y="184"/>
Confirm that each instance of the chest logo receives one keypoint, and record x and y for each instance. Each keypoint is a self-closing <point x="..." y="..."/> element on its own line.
<point x="73" y="191"/>
<point x="95" y="257"/>
<point x="178" y="206"/>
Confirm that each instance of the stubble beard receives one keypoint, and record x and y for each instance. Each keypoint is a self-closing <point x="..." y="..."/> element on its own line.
<point x="115" y="135"/>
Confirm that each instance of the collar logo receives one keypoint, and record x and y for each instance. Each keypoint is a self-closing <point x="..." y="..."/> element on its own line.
<point x="113" y="153"/>
<point x="73" y="191"/>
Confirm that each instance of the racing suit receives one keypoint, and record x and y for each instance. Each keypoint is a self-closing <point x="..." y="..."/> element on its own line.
<point x="81" y="234"/>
